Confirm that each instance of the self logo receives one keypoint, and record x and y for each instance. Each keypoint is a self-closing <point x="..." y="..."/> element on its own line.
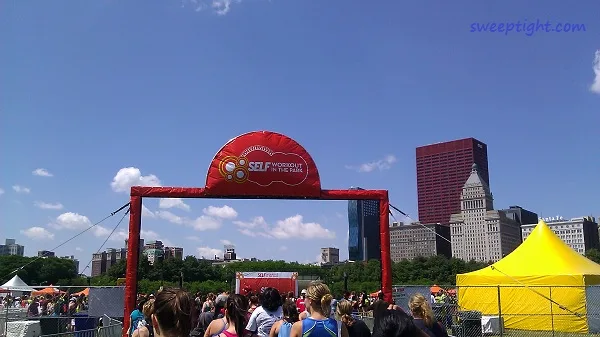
<point x="262" y="166"/>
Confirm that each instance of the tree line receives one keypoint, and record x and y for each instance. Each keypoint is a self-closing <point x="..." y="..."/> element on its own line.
<point x="201" y="275"/>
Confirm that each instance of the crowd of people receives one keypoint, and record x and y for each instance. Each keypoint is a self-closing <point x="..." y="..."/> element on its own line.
<point x="315" y="313"/>
<point x="61" y="304"/>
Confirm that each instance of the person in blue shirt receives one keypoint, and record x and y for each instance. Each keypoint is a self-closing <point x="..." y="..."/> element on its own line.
<point x="319" y="322"/>
<point x="137" y="317"/>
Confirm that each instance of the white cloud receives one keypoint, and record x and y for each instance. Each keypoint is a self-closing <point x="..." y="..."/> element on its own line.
<point x="221" y="7"/>
<point x="38" y="233"/>
<point x="71" y="221"/>
<point x="226" y="242"/>
<point x="21" y="189"/>
<point x="79" y="249"/>
<point x="203" y="223"/>
<point x="45" y="205"/>
<point x="147" y="213"/>
<point x="257" y="222"/>
<point x="292" y="227"/>
<point x="166" y="203"/>
<point x="1" y="191"/>
<point x="193" y="238"/>
<point x="595" y="87"/>
<point x="283" y="248"/>
<point x="170" y="217"/>
<point x="381" y="164"/>
<point x="132" y="176"/>
<point x="209" y="253"/>
<point x="41" y="172"/>
<point x="224" y="212"/>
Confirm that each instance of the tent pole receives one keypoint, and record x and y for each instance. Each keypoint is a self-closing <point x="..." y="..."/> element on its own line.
<point x="500" y="313"/>
<point x="551" y="311"/>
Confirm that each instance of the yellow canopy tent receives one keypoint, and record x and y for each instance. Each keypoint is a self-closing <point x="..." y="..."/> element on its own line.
<point x="541" y="285"/>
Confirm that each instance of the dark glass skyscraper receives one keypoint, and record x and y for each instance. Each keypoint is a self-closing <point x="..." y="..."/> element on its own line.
<point x="363" y="230"/>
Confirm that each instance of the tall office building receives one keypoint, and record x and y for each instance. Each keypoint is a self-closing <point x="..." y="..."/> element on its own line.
<point x="229" y="253"/>
<point x="173" y="253"/>
<point x="45" y="253"/>
<point x="363" y="230"/>
<point x="408" y="241"/>
<point x="330" y="255"/>
<point x="479" y="232"/>
<point x="581" y="234"/>
<point x="10" y="247"/>
<point x="442" y="170"/>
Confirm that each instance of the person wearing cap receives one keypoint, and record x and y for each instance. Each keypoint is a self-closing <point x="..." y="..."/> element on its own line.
<point x="300" y="301"/>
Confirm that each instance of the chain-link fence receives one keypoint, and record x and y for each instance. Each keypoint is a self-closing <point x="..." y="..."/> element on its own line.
<point x="63" y="311"/>
<point x="510" y="311"/>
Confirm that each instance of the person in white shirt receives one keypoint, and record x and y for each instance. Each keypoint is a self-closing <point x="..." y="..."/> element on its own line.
<point x="262" y="319"/>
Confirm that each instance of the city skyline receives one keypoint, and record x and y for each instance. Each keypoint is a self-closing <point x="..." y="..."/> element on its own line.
<point x="95" y="104"/>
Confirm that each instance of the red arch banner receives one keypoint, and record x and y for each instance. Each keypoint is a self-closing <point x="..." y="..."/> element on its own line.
<point x="255" y="165"/>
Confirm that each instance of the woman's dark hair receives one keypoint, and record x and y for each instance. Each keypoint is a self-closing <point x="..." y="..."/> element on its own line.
<point x="394" y="323"/>
<point x="173" y="309"/>
<point x="236" y="312"/>
<point x="270" y="299"/>
<point x="140" y="304"/>
<point x="253" y="299"/>
<point x="290" y="312"/>
<point x="218" y="306"/>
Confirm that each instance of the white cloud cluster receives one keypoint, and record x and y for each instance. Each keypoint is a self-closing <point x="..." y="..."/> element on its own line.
<point x="221" y="7"/>
<point x="292" y="227"/>
<point x="70" y="221"/>
<point x="38" y="233"/>
<point x="378" y="165"/>
<point x="132" y="176"/>
<point x="596" y="66"/>
<point x="212" y="219"/>
<point x="167" y="203"/>
<point x="45" y="205"/>
<point x="21" y="189"/>
<point x="42" y="172"/>
<point x="209" y="253"/>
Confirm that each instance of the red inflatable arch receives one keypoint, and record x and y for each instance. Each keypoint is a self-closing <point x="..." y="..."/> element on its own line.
<point x="255" y="165"/>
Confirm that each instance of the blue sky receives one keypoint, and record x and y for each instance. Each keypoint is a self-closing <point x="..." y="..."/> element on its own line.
<point x="91" y="87"/>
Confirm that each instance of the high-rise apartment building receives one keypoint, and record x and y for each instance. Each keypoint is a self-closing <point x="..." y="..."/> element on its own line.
<point x="363" y="230"/>
<point x="479" y="232"/>
<point x="229" y="253"/>
<point x="45" y="253"/>
<point x="330" y="255"/>
<point x="581" y="234"/>
<point x="442" y="170"/>
<point x="173" y="253"/>
<point x="408" y="241"/>
<point x="10" y="247"/>
<point x="101" y="262"/>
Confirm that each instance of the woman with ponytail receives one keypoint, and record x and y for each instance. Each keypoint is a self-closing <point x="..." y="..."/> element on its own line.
<point x="356" y="328"/>
<point x="318" y="323"/>
<point x="423" y="317"/>
<point x="172" y="313"/>
<point x="234" y="322"/>
<point x="283" y="328"/>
